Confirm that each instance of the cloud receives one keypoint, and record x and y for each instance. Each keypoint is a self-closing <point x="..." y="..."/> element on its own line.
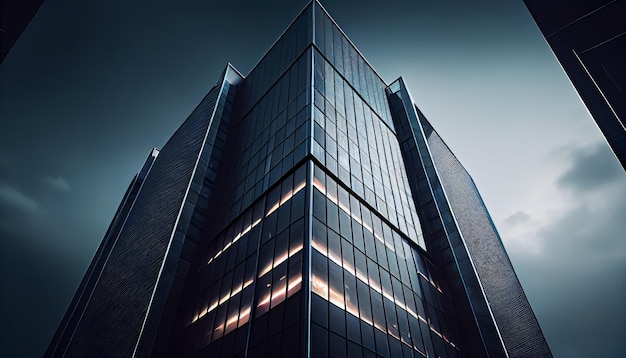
<point x="594" y="228"/>
<point x="16" y="199"/>
<point x="576" y="280"/>
<point x="519" y="233"/>
<point x="57" y="183"/>
<point x="516" y="219"/>
<point x="593" y="167"/>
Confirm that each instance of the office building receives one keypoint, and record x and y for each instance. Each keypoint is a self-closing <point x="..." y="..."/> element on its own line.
<point x="589" y="40"/>
<point x="306" y="209"/>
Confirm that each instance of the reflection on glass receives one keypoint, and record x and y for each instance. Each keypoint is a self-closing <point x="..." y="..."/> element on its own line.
<point x="264" y="295"/>
<point x="279" y="285"/>
<point x="234" y="240"/>
<point x="335" y="287"/>
<point x="213" y="305"/>
<point x="244" y="315"/>
<point x="360" y="308"/>
<point x="233" y="316"/>
<point x="319" y="272"/>
<point x="295" y="283"/>
<point x="266" y="258"/>
<point x="350" y="293"/>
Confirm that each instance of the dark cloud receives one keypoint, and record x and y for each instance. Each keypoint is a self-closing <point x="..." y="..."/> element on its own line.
<point x="592" y="167"/>
<point x="582" y="287"/>
<point x="579" y="296"/>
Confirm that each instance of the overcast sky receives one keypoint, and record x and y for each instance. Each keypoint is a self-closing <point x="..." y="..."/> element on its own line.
<point x="91" y="87"/>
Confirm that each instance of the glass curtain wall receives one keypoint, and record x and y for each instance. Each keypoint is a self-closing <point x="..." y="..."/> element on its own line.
<point x="373" y="290"/>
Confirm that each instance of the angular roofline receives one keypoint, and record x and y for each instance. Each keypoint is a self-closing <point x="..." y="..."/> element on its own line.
<point x="312" y="3"/>
<point x="279" y="38"/>
<point x="350" y="41"/>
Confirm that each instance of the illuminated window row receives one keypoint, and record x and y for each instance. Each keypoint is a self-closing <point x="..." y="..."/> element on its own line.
<point x="212" y="306"/>
<point x="290" y="194"/>
<point x="234" y="240"/>
<point x="370" y="282"/>
<point x="274" y="287"/>
<point x="341" y="298"/>
<point x="230" y="276"/>
<point x="283" y="253"/>
<point x="354" y="143"/>
<point x="344" y="206"/>
<point x="376" y="233"/>
<point x="279" y="273"/>
<point x="227" y="324"/>
<point x="335" y="249"/>
<point x="271" y="289"/>
<point x="246" y="230"/>
<point x="280" y="259"/>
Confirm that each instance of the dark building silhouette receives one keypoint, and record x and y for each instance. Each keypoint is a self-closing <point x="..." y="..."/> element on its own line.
<point x="589" y="40"/>
<point x="306" y="209"/>
<point x="15" y="15"/>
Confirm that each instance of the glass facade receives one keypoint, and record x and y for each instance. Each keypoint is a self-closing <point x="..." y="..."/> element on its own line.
<point x="356" y="146"/>
<point x="373" y="290"/>
<point x="273" y="135"/>
<point x="309" y="226"/>
<point x="253" y="266"/>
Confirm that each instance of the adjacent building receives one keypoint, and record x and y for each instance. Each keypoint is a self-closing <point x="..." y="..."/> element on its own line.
<point x="305" y="209"/>
<point x="589" y="40"/>
<point x="15" y="15"/>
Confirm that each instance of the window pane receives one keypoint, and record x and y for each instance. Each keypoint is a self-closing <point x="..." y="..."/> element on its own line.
<point x="350" y="292"/>
<point x="335" y="285"/>
<point x="319" y="273"/>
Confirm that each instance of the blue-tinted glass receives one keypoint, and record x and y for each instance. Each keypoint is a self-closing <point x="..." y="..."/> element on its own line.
<point x="319" y="205"/>
<point x="381" y="343"/>
<point x="319" y="311"/>
<point x="332" y="214"/>
<point x="319" y="270"/>
<point x="367" y="336"/>
<point x="337" y="320"/>
<point x="378" y="311"/>
<point x="319" y="342"/>
<point x="338" y="345"/>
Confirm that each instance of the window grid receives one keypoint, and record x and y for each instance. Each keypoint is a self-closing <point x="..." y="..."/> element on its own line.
<point x="361" y="150"/>
<point x="401" y="302"/>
